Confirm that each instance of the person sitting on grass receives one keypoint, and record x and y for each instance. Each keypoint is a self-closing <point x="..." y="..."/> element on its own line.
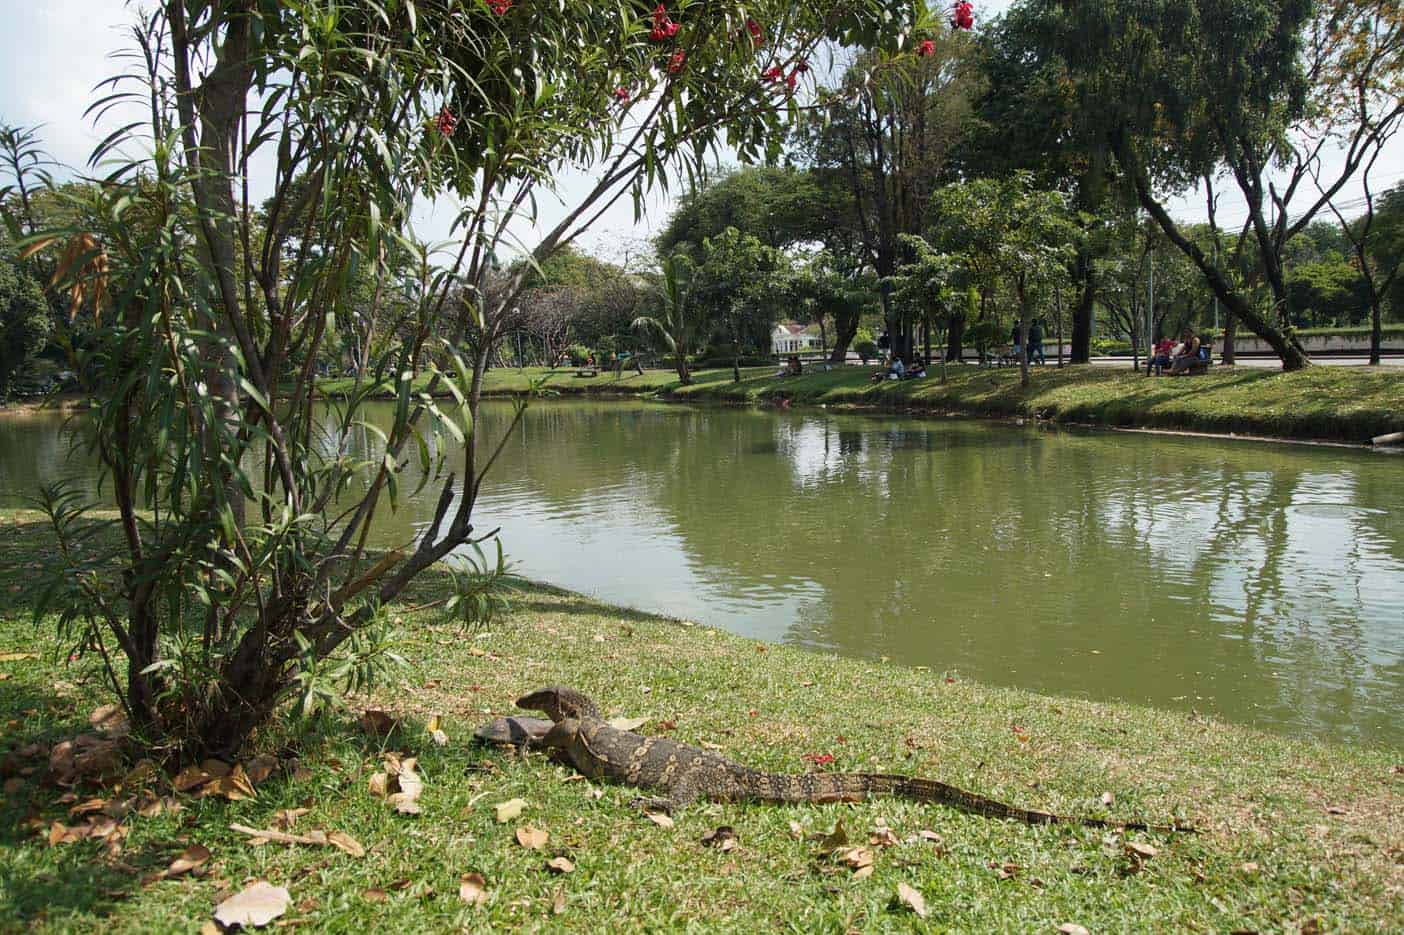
<point x="1187" y="356"/>
<point x="893" y="371"/>
<point x="793" y="367"/>
<point x="917" y="370"/>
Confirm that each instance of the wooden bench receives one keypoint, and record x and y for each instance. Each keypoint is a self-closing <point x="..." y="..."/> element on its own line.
<point x="587" y="372"/>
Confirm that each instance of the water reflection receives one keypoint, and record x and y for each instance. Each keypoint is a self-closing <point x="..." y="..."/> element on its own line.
<point x="1261" y="583"/>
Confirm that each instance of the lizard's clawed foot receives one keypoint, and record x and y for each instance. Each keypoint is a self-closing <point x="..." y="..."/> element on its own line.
<point x="654" y="805"/>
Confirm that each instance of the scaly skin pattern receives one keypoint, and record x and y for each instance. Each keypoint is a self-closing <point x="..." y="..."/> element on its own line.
<point x="684" y="774"/>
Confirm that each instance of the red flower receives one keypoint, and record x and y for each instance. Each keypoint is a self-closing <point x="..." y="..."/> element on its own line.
<point x="963" y="15"/>
<point x="757" y="34"/>
<point x="621" y="94"/>
<point x="801" y="67"/>
<point x="927" y="48"/>
<point x="774" y="73"/>
<point x="676" y="62"/>
<point x="663" y="26"/>
<point x="819" y="759"/>
<point x="446" y="122"/>
<point x="500" y="7"/>
<point x="791" y="80"/>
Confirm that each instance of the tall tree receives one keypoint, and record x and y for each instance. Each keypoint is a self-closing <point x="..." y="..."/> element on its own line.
<point x="246" y="576"/>
<point x="1252" y="87"/>
<point x="885" y="140"/>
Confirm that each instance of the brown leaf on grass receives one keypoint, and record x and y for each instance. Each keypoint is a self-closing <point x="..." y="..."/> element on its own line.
<point x="510" y="809"/>
<point x="345" y="843"/>
<point x="932" y="836"/>
<point x="17" y="657"/>
<point x="558" y="902"/>
<point x="86" y="756"/>
<point x="285" y="818"/>
<point x="796" y="829"/>
<point x="192" y="777"/>
<point x="60" y="833"/>
<point x="532" y="838"/>
<point x="627" y="723"/>
<point x="912" y="899"/>
<point x="472" y="889"/>
<point x="260" y="768"/>
<point x="722" y="838"/>
<point x="88" y="807"/>
<point x="1250" y="867"/>
<point x="882" y="837"/>
<point x="855" y="857"/>
<point x="379" y="785"/>
<point x="665" y="726"/>
<point x="1006" y="870"/>
<point x="1139" y="851"/>
<point x="374" y="895"/>
<point x="109" y="719"/>
<point x="255" y="905"/>
<point x="560" y="865"/>
<point x="659" y="819"/>
<point x="1072" y="928"/>
<point x="235" y="786"/>
<point x="403" y="803"/>
<point x="1107" y="799"/>
<point x="196" y="855"/>
<point x="377" y="722"/>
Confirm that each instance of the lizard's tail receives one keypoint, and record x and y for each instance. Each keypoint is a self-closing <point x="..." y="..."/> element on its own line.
<point x="840" y="787"/>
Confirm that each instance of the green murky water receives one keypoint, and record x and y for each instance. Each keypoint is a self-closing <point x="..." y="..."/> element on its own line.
<point x="1260" y="583"/>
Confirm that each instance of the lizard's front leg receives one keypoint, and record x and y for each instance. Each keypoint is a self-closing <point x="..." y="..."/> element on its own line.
<point x="681" y="793"/>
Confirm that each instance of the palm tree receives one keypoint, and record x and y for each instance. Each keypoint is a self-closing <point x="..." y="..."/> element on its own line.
<point x="678" y="324"/>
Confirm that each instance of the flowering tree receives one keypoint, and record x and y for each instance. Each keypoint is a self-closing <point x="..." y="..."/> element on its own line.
<point x="242" y="511"/>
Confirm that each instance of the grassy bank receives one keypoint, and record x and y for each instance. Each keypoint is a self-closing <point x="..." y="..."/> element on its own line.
<point x="1336" y="403"/>
<point x="1296" y="834"/>
<point x="1322" y="403"/>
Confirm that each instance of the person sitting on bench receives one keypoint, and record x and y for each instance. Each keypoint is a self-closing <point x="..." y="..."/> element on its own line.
<point x="1188" y="355"/>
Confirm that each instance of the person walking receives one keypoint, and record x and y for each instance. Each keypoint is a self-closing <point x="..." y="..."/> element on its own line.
<point x="1036" y="341"/>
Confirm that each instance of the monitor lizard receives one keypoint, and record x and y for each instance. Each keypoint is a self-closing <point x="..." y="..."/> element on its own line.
<point x="683" y="773"/>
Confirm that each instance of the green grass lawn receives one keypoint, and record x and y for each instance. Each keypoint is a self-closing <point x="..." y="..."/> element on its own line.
<point x="1335" y="403"/>
<point x="1296" y="834"/>
<point x="1323" y="402"/>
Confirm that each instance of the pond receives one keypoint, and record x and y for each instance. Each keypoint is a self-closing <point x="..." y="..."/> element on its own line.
<point x="1259" y="583"/>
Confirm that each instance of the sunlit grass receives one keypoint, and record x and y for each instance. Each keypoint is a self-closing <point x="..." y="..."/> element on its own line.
<point x="1294" y="831"/>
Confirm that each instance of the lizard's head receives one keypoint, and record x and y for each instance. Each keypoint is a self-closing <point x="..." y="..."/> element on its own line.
<point x="559" y="703"/>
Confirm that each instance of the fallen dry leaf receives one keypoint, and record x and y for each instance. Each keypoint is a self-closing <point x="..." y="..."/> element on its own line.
<point x="193" y="856"/>
<point x="558" y="902"/>
<point x="912" y="899"/>
<point x="285" y="818"/>
<point x="659" y="819"/>
<point x="435" y="729"/>
<point x="855" y="857"/>
<point x="374" y="895"/>
<point x="796" y="829"/>
<point x="235" y="786"/>
<point x="560" y="865"/>
<point x="627" y="723"/>
<point x="932" y="836"/>
<point x="345" y="843"/>
<point x="109" y="719"/>
<point x="1072" y="928"/>
<point x="1138" y="851"/>
<point x="533" y="838"/>
<point x="379" y="785"/>
<point x="1005" y="871"/>
<point x="510" y="809"/>
<point x="255" y="905"/>
<point x="17" y="657"/>
<point x="882" y="837"/>
<point x="377" y="722"/>
<point x="260" y="768"/>
<point x="1249" y="867"/>
<point x="472" y="889"/>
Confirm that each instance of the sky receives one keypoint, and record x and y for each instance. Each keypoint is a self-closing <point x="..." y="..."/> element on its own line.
<point x="53" y="54"/>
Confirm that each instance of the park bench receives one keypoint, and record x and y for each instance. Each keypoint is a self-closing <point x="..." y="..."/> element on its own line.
<point x="587" y="372"/>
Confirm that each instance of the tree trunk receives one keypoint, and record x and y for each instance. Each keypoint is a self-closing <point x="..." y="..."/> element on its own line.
<point x="1024" y="319"/>
<point x="845" y="327"/>
<point x="1058" y="305"/>
<point x="1288" y="349"/>
<point x="1230" y="332"/>
<point x="1376" y="331"/>
<point x="1082" y="313"/>
<point x="955" y="334"/>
